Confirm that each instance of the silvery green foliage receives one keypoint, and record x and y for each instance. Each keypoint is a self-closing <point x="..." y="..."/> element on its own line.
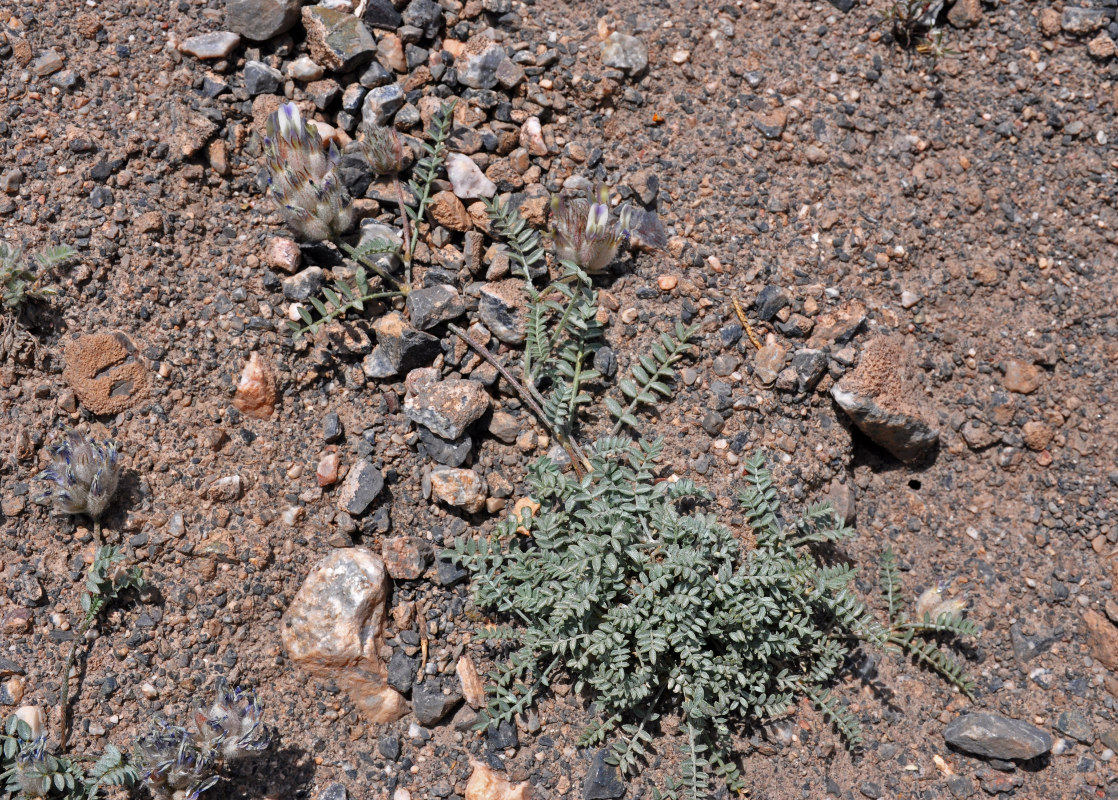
<point x="935" y="616"/>
<point x="650" y="604"/>
<point x="584" y="233"/>
<point x="85" y="474"/>
<point x="303" y="178"/>
<point x="21" y="280"/>
<point x="28" y="769"/>
<point x="180" y="763"/>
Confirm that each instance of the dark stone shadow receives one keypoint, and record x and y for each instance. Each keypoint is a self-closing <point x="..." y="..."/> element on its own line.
<point x="284" y="773"/>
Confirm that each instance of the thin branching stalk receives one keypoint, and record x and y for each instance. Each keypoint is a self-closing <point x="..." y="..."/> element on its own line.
<point x="578" y="459"/>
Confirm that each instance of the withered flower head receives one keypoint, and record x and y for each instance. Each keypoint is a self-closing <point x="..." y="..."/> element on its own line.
<point x="382" y="148"/>
<point x="933" y="605"/>
<point x="303" y="178"/>
<point x="582" y="231"/>
<point x="85" y="474"/>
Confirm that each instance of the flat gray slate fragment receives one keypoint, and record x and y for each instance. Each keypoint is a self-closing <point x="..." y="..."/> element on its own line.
<point x="994" y="736"/>
<point x="362" y="485"/>
<point x="260" y="20"/>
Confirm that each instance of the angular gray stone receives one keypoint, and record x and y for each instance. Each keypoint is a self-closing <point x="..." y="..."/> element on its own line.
<point x="602" y="780"/>
<point x="401" y="671"/>
<point x="260" y="20"/>
<point x="381" y="103"/>
<point x="434" y="305"/>
<point x="210" y="45"/>
<point x="1081" y="21"/>
<point x="261" y="79"/>
<point x="480" y="70"/>
<point x="430" y="704"/>
<point x="425" y="15"/>
<point x="304" y="285"/>
<point x="624" y="52"/>
<point x="352" y="98"/>
<point x="400" y="348"/>
<point x="382" y="14"/>
<point x="769" y="301"/>
<point x="994" y="736"/>
<point x="1074" y="723"/>
<point x="447" y="408"/>
<point x="501" y="309"/>
<point x="362" y="485"/>
<point x="337" y="40"/>
<point x="809" y="366"/>
<point x="879" y="397"/>
<point x="444" y="451"/>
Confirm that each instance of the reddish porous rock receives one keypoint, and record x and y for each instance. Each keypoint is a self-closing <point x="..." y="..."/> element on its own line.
<point x="879" y="396"/>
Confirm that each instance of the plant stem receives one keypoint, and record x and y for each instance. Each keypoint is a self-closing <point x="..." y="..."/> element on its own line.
<point x="407" y="229"/>
<point x="578" y="460"/>
<point x="97" y="532"/>
<point x="64" y="701"/>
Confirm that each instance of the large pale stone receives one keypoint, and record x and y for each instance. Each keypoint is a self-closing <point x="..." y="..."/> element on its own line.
<point x="334" y="629"/>
<point x="485" y="784"/>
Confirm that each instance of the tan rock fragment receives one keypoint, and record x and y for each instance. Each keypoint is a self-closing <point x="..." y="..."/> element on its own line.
<point x="335" y="629"/>
<point x="472" y="687"/>
<point x="485" y="784"/>
<point x="256" y="390"/>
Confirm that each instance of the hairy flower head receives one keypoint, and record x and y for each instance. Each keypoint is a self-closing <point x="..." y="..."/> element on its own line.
<point x="35" y="769"/>
<point x="234" y="724"/>
<point x="583" y="232"/>
<point x="382" y="148"/>
<point x="85" y="474"/>
<point x="172" y="765"/>
<point x="303" y="178"/>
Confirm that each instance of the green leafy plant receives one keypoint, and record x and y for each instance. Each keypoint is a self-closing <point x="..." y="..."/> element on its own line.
<point x="424" y="175"/>
<point x="649" y="375"/>
<point x="653" y="607"/>
<point x="935" y="619"/>
<point x="28" y="769"/>
<point x="105" y="581"/>
<point x="562" y="334"/>
<point x="21" y="280"/>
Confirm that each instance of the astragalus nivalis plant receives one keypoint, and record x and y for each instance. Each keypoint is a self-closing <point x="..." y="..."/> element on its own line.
<point x="303" y="178"/>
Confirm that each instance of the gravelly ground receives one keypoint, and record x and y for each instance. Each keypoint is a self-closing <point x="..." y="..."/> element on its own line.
<point x="793" y="147"/>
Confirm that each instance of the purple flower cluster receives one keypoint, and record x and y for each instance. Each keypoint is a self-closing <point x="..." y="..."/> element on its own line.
<point x="303" y="178"/>
<point x="85" y="474"/>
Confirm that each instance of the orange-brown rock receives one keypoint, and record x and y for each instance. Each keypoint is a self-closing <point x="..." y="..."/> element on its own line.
<point x="256" y="390"/>
<point x="105" y="373"/>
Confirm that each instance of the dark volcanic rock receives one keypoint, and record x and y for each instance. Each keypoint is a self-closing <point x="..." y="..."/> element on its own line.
<point x="260" y="20"/>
